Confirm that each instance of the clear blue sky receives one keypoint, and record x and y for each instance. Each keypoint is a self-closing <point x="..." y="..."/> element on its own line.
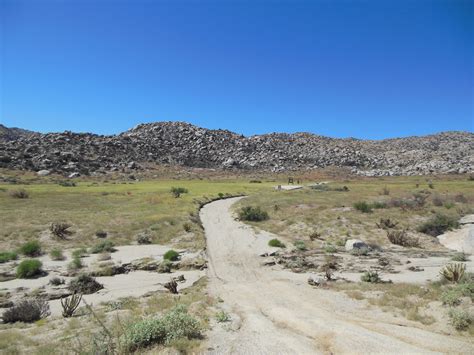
<point x="368" y="69"/>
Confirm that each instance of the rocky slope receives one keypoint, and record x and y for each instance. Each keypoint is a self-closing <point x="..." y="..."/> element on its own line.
<point x="178" y="143"/>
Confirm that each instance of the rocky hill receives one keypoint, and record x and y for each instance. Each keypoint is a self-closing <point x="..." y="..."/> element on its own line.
<point x="10" y="134"/>
<point x="179" y="143"/>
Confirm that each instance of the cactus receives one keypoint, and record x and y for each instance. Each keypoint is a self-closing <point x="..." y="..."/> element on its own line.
<point x="453" y="272"/>
<point x="70" y="304"/>
<point x="172" y="286"/>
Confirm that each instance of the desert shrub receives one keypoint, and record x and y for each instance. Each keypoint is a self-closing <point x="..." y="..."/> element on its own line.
<point x="56" y="281"/>
<point x="171" y="255"/>
<point x="259" y="181"/>
<point x="329" y="248"/>
<point x="402" y="203"/>
<point x="320" y="187"/>
<point x="6" y="256"/>
<point x="385" y="191"/>
<point x="371" y="276"/>
<point x="448" y="205"/>
<point x="104" y="257"/>
<point x="144" y="238"/>
<point x="360" y="251"/>
<point x="220" y="195"/>
<point x="26" y="311"/>
<point x="314" y="235"/>
<point x="340" y="189"/>
<point x="20" y="193"/>
<point x="101" y="234"/>
<point x="451" y="297"/>
<point x="102" y="247"/>
<point x="31" y="248"/>
<point x="363" y="207"/>
<point x="431" y="185"/>
<point x="378" y="205"/>
<point x="300" y="245"/>
<point x="460" y="198"/>
<point x="67" y="183"/>
<point x="437" y="200"/>
<point x="178" y="191"/>
<point x="175" y="324"/>
<point x="419" y="198"/>
<point x="460" y="319"/>
<point x="29" y="268"/>
<point x="460" y="257"/>
<point x="187" y="227"/>
<point x="84" y="284"/>
<point x="254" y="214"/>
<point x="386" y="223"/>
<point x="438" y="224"/>
<point x="56" y="254"/>
<point x="222" y="317"/>
<point x="60" y="229"/>
<point x="401" y="237"/>
<point x="276" y="243"/>
<point x="453" y="272"/>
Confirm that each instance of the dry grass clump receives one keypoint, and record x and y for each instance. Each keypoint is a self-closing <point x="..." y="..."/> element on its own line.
<point x="60" y="229"/>
<point x="20" y="193"/>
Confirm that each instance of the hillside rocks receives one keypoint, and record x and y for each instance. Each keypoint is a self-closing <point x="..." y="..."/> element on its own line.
<point x="182" y="144"/>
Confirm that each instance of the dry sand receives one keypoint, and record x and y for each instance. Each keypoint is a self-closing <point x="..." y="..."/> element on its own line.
<point x="277" y="312"/>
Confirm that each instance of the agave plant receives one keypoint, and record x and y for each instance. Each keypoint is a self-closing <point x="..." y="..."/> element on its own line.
<point x="453" y="272"/>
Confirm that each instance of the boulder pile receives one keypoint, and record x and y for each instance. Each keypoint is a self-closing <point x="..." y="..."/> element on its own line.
<point x="183" y="144"/>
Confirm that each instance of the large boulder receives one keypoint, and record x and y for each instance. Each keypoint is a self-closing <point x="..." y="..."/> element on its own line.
<point x="352" y="244"/>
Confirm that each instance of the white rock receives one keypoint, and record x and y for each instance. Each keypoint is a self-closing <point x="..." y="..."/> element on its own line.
<point x="355" y="244"/>
<point x="43" y="173"/>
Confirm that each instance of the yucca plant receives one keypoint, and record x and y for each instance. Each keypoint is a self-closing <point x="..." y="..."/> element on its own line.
<point x="70" y="304"/>
<point x="453" y="272"/>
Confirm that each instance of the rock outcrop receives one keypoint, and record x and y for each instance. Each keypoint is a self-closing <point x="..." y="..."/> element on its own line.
<point x="179" y="143"/>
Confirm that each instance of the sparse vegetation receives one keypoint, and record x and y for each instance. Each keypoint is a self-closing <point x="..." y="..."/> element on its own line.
<point x="187" y="227"/>
<point x="101" y="234"/>
<point x="461" y="257"/>
<point x="29" y="268"/>
<point x="252" y="214"/>
<point x="300" y="245"/>
<point x="56" y="281"/>
<point x="144" y="238"/>
<point x="386" y="223"/>
<point x="438" y="224"/>
<point x="171" y="255"/>
<point x="276" y="243"/>
<point x="460" y="319"/>
<point x="330" y="249"/>
<point x="70" y="304"/>
<point x="27" y="311"/>
<point x="175" y="324"/>
<point x="31" y="248"/>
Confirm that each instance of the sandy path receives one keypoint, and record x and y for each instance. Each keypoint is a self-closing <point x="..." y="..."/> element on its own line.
<point x="278" y="313"/>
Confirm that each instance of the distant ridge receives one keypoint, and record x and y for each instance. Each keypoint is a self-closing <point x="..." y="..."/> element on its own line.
<point x="183" y="144"/>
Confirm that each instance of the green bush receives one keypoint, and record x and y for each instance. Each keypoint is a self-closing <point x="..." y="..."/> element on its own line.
<point x="460" y="257"/>
<point x="171" y="255"/>
<point x="363" y="207"/>
<point x="253" y="214"/>
<point x="29" y="268"/>
<point x="460" y="319"/>
<point x="175" y="324"/>
<point x="79" y="253"/>
<point x="276" y="243"/>
<point x="178" y="191"/>
<point x="56" y="254"/>
<point x="222" y="317"/>
<point x="451" y="297"/>
<point x="6" y="256"/>
<point x="371" y="276"/>
<point x="31" y="248"/>
<point x="438" y="224"/>
<point x="105" y="246"/>
<point x="300" y="245"/>
<point x="378" y="205"/>
<point x="187" y="227"/>
<point x="329" y="248"/>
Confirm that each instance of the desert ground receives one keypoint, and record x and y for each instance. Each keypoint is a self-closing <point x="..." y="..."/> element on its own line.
<point x="340" y="264"/>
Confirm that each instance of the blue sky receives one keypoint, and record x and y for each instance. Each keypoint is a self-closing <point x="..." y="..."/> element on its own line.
<point x="367" y="69"/>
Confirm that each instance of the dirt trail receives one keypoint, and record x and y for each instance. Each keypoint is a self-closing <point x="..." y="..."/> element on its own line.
<point x="279" y="313"/>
